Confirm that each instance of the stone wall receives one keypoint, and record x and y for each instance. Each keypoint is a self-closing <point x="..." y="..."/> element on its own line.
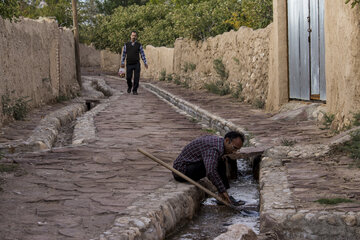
<point x="244" y="53"/>
<point x="342" y="63"/>
<point x="89" y="56"/>
<point x="37" y="61"/>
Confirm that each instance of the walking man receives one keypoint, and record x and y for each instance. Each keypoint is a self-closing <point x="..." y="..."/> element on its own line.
<point x="204" y="157"/>
<point x="131" y="52"/>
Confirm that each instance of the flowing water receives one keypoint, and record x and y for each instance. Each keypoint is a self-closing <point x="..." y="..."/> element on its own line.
<point x="212" y="219"/>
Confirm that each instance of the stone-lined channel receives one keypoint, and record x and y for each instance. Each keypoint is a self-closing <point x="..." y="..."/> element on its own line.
<point x="212" y="220"/>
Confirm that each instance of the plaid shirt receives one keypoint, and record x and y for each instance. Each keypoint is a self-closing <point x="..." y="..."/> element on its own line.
<point x="142" y="53"/>
<point x="208" y="149"/>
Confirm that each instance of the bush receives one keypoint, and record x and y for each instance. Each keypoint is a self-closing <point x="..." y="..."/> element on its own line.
<point x="353" y="3"/>
<point x="189" y="66"/>
<point x="328" y="119"/>
<point x="9" y="9"/>
<point x="169" y="77"/>
<point x="177" y="80"/>
<point x="219" y="87"/>
<point x="160" y="24"/>
<point x="220" y="69"/>
<point x="17" y="109"/>
<point x="237" y="92"/>
<point x="162" y="75"/>
<point x="258" y="103"/>
<point x="356" y="119"/>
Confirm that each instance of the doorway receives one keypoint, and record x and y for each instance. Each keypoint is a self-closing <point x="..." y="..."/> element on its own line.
<point x="306" y="46"/>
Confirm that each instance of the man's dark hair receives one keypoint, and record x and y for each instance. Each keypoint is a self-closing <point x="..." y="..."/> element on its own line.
<point x="133" y="32"/>
<point x="233" y="134"/>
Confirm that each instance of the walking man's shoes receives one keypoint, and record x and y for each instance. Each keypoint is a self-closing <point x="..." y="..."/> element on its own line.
<point x="129" y="90"/>
<point x="135" y="93"/>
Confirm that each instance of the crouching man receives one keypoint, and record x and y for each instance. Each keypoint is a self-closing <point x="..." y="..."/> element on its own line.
<point x="204" y="157"/>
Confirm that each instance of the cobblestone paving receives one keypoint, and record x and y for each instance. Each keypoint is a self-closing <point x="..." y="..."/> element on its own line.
<point x="310" y="179"/>
<point x="268" y="132"/>
<point x="76" y="192"/>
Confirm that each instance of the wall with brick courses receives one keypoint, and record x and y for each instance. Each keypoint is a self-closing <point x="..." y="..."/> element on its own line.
<point x="37" y="61"/>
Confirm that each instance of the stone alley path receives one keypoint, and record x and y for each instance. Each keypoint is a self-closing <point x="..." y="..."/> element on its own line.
<point x="76" y="192"/>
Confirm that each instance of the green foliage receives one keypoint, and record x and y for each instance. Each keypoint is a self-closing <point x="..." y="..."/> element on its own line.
<point x="162" y="75"/>
<point x="9" y="9"/>
<point x="353" y="3"/>
<point x="209" y="130"/>
<point x="356" y="119"/>
<point x="327" y="121"/>
<point x="237" y="92"/>
<point x="177" y="80"/>
<point x="169" y="77"/>
<point x="186" y="82"/>
<point x="236" y="60"/>
<point x="288" y="142"/>
<point x="107" y="7"/>
<point x="259" y="103"/>
<point x="219" y="87"/>
<point x="256" y="13"/>
<point x="333" y="201"/>
<point x="189" y="66"/>
<point x="352" y="147"/>
<point x="17" y="109"/>
<point x="159" y="24"/>
<point x="220" y="69"/>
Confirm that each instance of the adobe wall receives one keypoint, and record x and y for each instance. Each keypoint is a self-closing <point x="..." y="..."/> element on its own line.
<point x="342" y="63"/>
<point x="159" y="59"/>
<point x="89" y="56"/>
<point x="244" y="53"/>
<point x="37" y="61"/>
<point x="278" y="92"/>
<point x="109" y="61"/>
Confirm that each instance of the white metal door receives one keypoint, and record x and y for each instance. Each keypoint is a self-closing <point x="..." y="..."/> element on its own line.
<point x="306" y="49"/>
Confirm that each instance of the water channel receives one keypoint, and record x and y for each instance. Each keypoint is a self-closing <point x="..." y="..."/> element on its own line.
<point x="213" y="220"/>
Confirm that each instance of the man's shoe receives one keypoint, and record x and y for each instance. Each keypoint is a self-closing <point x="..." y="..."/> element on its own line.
<point x="135" y="93"/>
<point x="129" y="90"/>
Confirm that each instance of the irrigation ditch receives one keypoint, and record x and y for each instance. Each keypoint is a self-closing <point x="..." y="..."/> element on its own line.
<point x="211" y="219"/>
<point x="261" y="180"/>
<point x="72" y="124"/>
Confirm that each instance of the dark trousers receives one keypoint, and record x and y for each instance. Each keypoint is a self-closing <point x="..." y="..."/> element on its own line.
<point x="130" y="68"/>
<point x="197" y="170"/>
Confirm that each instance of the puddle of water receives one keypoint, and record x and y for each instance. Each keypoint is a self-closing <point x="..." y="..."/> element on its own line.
<point x="213" y="220"/>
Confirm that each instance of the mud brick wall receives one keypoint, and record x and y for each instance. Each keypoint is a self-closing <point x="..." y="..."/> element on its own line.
<point x="159" y="59"/>
<point x="89" y="56"/>
<point x="109" y="61"/>
<point x="244" y="53"/>
<point x="36" y="61"/>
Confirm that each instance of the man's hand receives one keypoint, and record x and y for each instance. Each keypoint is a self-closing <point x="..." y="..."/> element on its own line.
<point x="146" y="66"/>
<point x="225" y="197"/>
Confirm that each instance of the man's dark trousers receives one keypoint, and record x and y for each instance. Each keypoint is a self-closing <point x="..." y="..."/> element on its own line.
<point x="130" y="68"/>
<point x="197" y="170"/>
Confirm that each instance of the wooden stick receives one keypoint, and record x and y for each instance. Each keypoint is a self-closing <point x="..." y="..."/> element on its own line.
<point x="184" y="177"/>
